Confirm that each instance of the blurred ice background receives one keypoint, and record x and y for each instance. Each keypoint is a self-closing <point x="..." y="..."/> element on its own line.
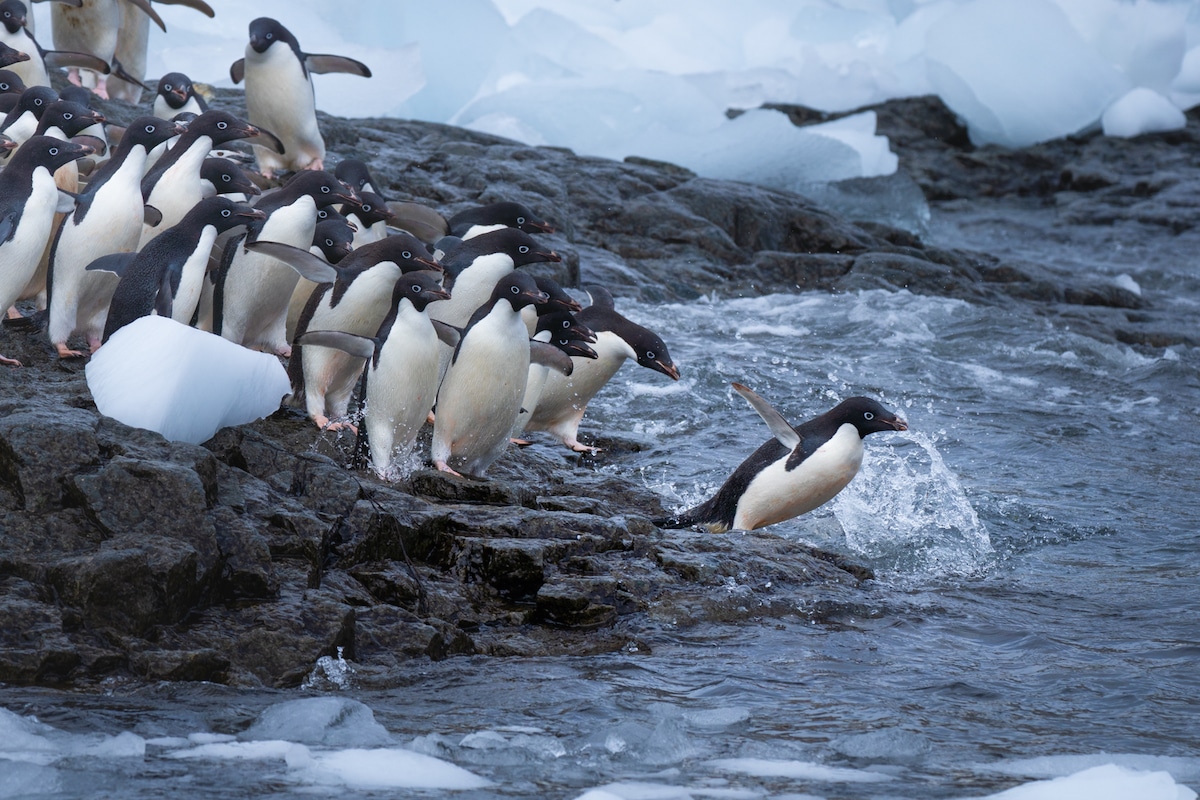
<point x="655" y="78"/>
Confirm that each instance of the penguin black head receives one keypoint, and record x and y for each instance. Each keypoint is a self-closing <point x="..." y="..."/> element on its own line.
<point x="519" y="289"/>
<point x="405" y="251"/>
<point x="149" y="132"/>
<point x="265" y="32"/>
<point x="356" y="173"/>
<point x="513" y="215"/>
<point x="520" y="246"/>
<point x="10" y="56"/>
<point x="34" y="100"/>
<point x="227" y="177"/>
<point x="335" y="237"/>
<point x="10" y="82"/>
<point x="866" y="415"/>
<point x="175" y="88"/>
<point x="48" y="152"/>
<point x="221" y="127"/>
<point x="562" y="323"/>
<point x="373" y="209"/>
<point x="322" y="187"/>
<point x="559" y="299"/>
<point x="420" y="288"/>
<point x="13" y="15"/>
<point x="78" y="94"/>
<point x="185" y="118"/>
<point x="70" y="118"/>
<point x="222" y="213"/>
<point x="651" y="351"/>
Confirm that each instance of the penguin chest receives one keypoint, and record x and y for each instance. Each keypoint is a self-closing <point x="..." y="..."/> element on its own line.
<point x="362" y="306"/>
<point x="191" y="279"/>
<point x="777" y="494"/>
<point x="567" y="395"/>
<point x="472" y="288"/>
<point x="32" y="72"/>
<point x="267" y="277"/>
<point x="179" y="187"/>
<point x="113" y="223"/>
<point x="19" y="256"/>
<point x="279" y="97"/>
<point x="90" y="28"/>
<point x="402" y="387"/>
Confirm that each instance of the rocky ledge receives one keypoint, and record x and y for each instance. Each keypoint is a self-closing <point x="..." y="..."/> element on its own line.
<point x="245" y="560"/>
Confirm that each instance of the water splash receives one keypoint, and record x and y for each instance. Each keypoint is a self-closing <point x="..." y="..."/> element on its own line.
<point x="907" y="513"/>
<point x="330" y="673"/>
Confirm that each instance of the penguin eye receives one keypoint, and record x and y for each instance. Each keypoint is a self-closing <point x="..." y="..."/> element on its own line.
<point x="416" y="287"/>
<point x="515" y="289"/>
<point x="523" y="248"/>
<point x="324" y="190"/>
<point x="53" y="151"/>
<point x="149" y="129"/>
<point x="270" y="36"/>
<point x="68" y="115"/>
<point x="225" y="212"/>
<point x="329" y="242"/>
<point x="367" y="207"/>
<point x="227" y="178"/>
<point x="566" y="323"/>
<point x="167" y="87"/>
<point x="649" y="354"/>
<point x="406" y="254"/>
<point x="37" y="101"/>
<point x="868" y="416"/>
<point x="222" y="125"/>
<point x="520" y="220"/>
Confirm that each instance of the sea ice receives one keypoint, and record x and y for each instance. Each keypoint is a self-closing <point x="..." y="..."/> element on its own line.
<point x="332" y="721"/>
<point x="1141" y="111"/>
<point x="386" y="768"/>
<point x="1107" y="782"/>
<point x="799" y="770"/>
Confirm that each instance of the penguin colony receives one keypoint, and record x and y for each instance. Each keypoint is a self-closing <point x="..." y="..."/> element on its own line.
<point x="192" y="279"/>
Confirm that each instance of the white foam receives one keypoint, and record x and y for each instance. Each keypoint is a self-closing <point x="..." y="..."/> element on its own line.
<point x="386" y="768"/>
<point x="635" y="790"/>
<point x="1056" y="766"/>
<point x="798" y="770"/>
<point x="1106" y="782"/>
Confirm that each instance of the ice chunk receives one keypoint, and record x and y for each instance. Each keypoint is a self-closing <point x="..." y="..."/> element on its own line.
<point x="387" y="768"/>
<point x="635" y="790"/>
<point x="1143" y="39"/>
<point x="19" y="780"/>
<point x="1142" y="111"/>
<point x="1187" y="80"/>
<point x="184" y="383"/>
<point x="332" y="721"/>
<point x="1107" y="782"/>
<point x="800" y="770"/>
<point x="1018" y="71"/>
<point x="1183" y="768"/>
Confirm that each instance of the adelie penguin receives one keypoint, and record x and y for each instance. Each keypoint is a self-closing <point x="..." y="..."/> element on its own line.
<point x="279" y="94"/>
<point x="564" y="399"/>
<point x="14" y="31"/>
<point x="176" y="94"/>
<point x="93" y="28"/>
<point x="28" y="201"/>
<point x="801" y="468"/>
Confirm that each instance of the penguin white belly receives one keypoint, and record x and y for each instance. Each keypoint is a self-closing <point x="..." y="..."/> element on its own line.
<point x="22" y="128"/>
<point x="23" y="251"/>
<point x="257" y="289"/>
<point x="79" y="299"/>
<point x="191" y="279"/>
<point x="471" y="289"/>
<point x="535" y="381"/>
<point x="164" y="111"/>
<point x="178" y="189"/>
<point x="401" y="389"/>
<point x="565" y="397"/>
<point x="91" y="28"/>
<point x="133" y="41"/>
<point x="279" y="97"/>
<point x="480" y="396"/>
<point x="776" y="494"/>
<point x="331" y="374"/>
<point x="32" y="72"/>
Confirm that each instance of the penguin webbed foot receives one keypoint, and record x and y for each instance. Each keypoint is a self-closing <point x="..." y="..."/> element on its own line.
<point x="520" y="442"/>
<point x="9" y="362"/>
<point x="442" y="466"/>
<point x="579" y="447"/>
<point x="66" y="352"/>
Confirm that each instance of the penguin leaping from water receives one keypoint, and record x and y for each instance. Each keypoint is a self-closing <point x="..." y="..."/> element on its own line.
<point x="800" y="469"/>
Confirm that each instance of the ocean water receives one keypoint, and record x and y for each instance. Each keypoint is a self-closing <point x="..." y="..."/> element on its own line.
<point x="1033" y="624"/>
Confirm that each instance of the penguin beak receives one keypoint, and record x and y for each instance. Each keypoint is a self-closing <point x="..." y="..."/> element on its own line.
<point x="429" y="263"/>
<point x="538" y="227"/>
<point x="549" y="256"/>
<point x="897" y="424"/>
<point x="251" y="215"/>
<point x="580" y="349"/>
<point x="179" y="129"/>
<point x="95" y="116"/>
<point x="439" y="294"/>
<point x="536" y="297"/>
<point x="181" y="95"/>
<point x="7" y="145"/>
<point x="349" y="196"/>
<point x="668" y="369"/>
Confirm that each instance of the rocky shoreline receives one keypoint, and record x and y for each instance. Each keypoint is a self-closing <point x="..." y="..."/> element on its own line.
<point x="244" y="560"/>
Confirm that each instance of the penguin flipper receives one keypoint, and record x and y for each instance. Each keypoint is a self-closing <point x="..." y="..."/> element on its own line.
<point x="449" y="334"/>
<point x="119" y="71"/>
<point x="66" y="58"/>
<point x="359" y="346"/>
<point x="66" y="202"/>
<point x="421" y="221"/>
<point x="151" y="216"/>
<point x="198" y="5"/>
<point x="272" y="141"/>
<point x="116" y="263"/>
<point x="8" y="224"/>
<point x="550" y="356"/>
<point x="146" y="8"/>
<point x="322" y="63"/>
<point x="780" y="428"/>
<point x="602" y="299"/>
<point x="237" y="70"/>
<point x="314" y="268"/>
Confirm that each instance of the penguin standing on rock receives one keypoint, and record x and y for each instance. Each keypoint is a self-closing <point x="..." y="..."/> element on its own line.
<point x="481" y="393"/>
<point x="564" y="399"/>
<point x="800" y="469"/>
<point x="28" y="200"/>
<point x="279" y="94"/>
<point x="175" y="94"/>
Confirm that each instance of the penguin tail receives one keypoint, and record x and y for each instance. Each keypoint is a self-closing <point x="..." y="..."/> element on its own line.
<point x="706" y="516"/>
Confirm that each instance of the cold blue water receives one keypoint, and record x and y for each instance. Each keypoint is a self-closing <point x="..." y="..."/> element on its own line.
<point x="1036" y="612"/>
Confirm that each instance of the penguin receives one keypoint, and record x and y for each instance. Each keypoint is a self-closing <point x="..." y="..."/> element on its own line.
<point x="28" y="201"/>
<point x="11" y="84"/>
<point x="20" y="123"/>
<point x="108" y="218"/>
<point x="480" y="395"/>
<point x="355" y="302"/>
<point x="151" y="279"/>
<point x="475" y="266"/>
<point x="555" y="326"/>
<point x="471" y="222"/>
<point x="174" y="185"/>
<point x="14" y="31"/>
<point x="401" y="376"/>
<point x="98" y="131"/>
<point x="355" y="172"/>
<point x="280" y="96"/>
<point x="334" y="240"/>
<point x="252" y="289"/>
<point x="174" y="94"/>
<point x="222" y="176"/>
<point x="133" y="38"/>
<point x="559" y="301"/>
<point x="93" y="28"/>
<point x="371" y="219"/>
<point x="798" y="470"/>
<point x="564" y="399"/>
